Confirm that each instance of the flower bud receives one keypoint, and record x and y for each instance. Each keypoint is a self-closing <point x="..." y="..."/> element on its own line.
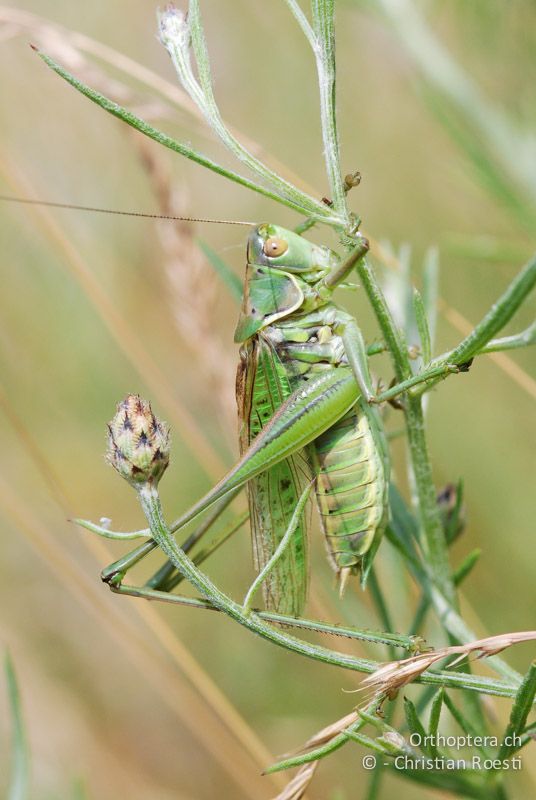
<point x="138" y="443"/>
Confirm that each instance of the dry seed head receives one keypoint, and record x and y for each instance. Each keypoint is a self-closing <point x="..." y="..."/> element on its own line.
<point x="391" y="676"/>
<point x="138" y="443"/>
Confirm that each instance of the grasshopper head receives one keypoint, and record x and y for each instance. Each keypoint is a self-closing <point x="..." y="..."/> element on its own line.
<point x="276" y="247"/>
<point x="280" y="265"/>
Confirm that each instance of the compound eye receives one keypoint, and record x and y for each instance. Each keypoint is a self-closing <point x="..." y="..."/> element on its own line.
<point x="275" y="246"/>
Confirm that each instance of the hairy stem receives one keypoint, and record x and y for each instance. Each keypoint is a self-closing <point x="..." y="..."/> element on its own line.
<point x="431" y="527"/>
<point x="319" y="212"/>
<point x="150" y="502"/>
<point x="323" y="12"/>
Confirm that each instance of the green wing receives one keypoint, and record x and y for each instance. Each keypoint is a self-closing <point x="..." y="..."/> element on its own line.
<point x="262" y="385"/>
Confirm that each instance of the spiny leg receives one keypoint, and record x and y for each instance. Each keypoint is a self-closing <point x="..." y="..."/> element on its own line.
<point x="410" y="643"/>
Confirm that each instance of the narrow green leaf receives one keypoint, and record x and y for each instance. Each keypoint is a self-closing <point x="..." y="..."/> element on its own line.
<point x="466" y="566"/>
<point x="378" y="598"/>
<point x="430" y="291"/>
<point x="319" y="752"/>
<point x="375" y="720"/>
<point x="201" y="91"/>
<point x="422" y="326"/>
<point x="18" y="786"/>
<point x="496" y="318"/>
<point x="375" y="779"/>
<point x="420" y="613"/>
<point x="529" y="735"/>
<point x="303" y="22"/>
<point x="435" y="713"/>
<point x="415" y="725"/>
<point x="167" y="141"/>
<point x="464" y="723"/>
<point x="523" y="339"/>
<point x="364" y="634"/>
<point x="228" y="277"/>
<point x="445" y="781"/>
<point x="323" y="15"/>
<point x="518" y="716"/>
<point x="199" y="47"/>
<point x="366" y="741"/>
<point x="402" y="529"/>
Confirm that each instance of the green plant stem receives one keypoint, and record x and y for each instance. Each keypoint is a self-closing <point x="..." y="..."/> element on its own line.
<point x="151" y="506"/>
<point x="431" y="527"/>
<point x="319" y="752"/>
<point x="343" y="270"/>
<point x="435" y="372"/>
<point x="176" y="32"/>
<point x="393" y="337"/>
<point x="425" y="338"/>
<point x="323" y="12"/>
<point x="497" y="317"/>
<point x="445" y="612"/>
<point x="365" y="635"/>
<point x="458" y="576"/>
<point x="518" y="716"/>
<point x="303" y="22"/>
<point x="150" y="502"/>
<point x="320" y="212"/>
<point x="523" y="339"/>
<point x="380" y="603"/>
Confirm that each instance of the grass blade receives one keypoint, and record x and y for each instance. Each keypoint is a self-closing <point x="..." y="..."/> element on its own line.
<point x="18" y="786"/>
<point x="464" y="723"/>
<point x="518" y="716"/>
<point x="172" y="144"/>
<point x="430" y="291"/>
<point x="422" y="326"/>
<point x="433" y="725"/>
<point x="228" y="278"/>
<point x="415" y="726"/>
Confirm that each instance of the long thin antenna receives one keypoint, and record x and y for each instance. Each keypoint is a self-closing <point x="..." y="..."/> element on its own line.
<point x="169" y="217"/>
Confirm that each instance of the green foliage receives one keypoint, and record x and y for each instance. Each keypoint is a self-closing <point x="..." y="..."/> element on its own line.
<point x="19" y="772"/>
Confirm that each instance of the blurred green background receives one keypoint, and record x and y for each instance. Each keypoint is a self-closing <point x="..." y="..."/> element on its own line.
<point x="123" y="699"/>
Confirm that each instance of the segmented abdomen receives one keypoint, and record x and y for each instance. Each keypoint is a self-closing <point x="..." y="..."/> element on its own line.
<point x="350" y="488"/>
